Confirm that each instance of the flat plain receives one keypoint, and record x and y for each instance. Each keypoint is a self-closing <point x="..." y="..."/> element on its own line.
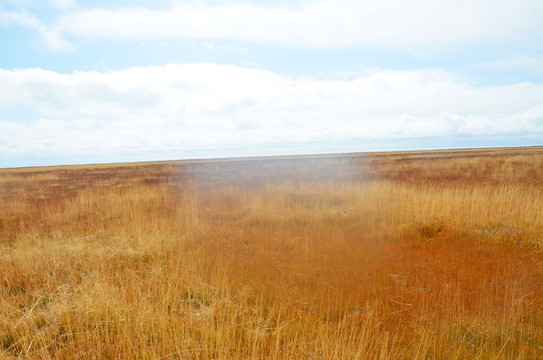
<point x="401" y="255"/>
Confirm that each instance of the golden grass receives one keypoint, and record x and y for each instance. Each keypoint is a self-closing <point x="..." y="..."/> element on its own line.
<point x="389" y="256"/>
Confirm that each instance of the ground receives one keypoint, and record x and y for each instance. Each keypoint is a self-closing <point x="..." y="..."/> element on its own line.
<point x="406" y="255"/>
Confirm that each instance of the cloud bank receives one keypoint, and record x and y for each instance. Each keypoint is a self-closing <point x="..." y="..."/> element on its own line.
<point x="182" y="107"/>
<point x="320" y="24"/>
<point x="401" y="25"/>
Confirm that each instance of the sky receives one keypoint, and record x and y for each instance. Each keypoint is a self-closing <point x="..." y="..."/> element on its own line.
<point x="114" y="81"/>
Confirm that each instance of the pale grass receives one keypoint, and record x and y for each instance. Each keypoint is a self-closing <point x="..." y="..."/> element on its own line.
<point x="376" y="269"/>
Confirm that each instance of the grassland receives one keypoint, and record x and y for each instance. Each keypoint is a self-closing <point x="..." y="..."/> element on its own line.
<point x="419" y="255"/>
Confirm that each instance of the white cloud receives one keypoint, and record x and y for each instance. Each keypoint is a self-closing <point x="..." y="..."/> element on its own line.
<point x="50" y="34"/>
<point x="210" y="46"/>
<point x="323" y="24"/>
<point x="209" y="106"/>
<point x="62" y="4"/>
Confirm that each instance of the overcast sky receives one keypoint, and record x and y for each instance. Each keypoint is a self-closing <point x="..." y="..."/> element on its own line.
<point x="108" y="81"/>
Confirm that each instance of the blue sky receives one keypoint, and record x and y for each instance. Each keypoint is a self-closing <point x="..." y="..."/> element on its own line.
<point x="102" y="81"/>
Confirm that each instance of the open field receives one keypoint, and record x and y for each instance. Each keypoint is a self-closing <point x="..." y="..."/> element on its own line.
<point x="415" y="255"/>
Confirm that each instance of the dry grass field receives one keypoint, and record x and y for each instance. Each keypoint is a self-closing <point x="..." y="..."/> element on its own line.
<point x="415" y="255"/>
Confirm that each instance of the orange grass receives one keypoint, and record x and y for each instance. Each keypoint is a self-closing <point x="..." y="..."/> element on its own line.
<point x="388" y="256"/>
